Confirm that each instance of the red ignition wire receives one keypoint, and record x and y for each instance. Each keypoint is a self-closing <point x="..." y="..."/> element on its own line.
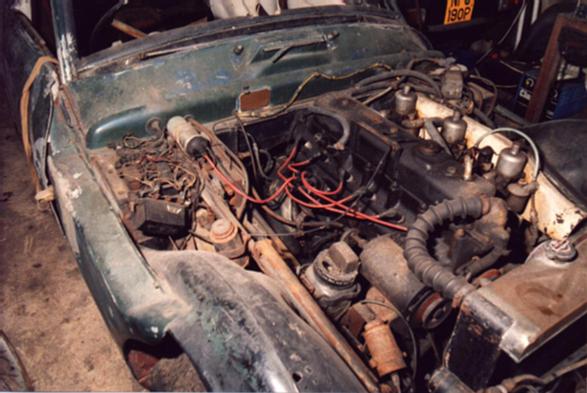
<point x="316" y="204"/>
<point x="351" y="213"/>
<point x="363" y="216"/>
<point x="300" y="163"/>
<point x="288" y="159"/>
<point x="285" y="164"/>
<point x="317" y="191"/>
<point x="227" y="182"/>
<point x="292" y="167"/>
<point x="347" y="210"/>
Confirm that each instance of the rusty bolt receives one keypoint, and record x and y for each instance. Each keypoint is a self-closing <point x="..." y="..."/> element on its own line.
<point x="222" y="231"/>
<point x="560" y="250"/>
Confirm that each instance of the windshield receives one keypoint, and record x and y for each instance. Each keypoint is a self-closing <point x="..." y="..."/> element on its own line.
<point x="101" y="24"/>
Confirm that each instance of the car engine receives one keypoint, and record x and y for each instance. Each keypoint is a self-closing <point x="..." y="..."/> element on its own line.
<point x="426" y="246"/>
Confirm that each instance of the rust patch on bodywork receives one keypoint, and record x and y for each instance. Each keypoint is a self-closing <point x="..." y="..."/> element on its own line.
<point x="254" y="100"/>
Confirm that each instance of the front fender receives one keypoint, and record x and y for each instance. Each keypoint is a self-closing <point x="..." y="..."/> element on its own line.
<point x="241" y="335"/>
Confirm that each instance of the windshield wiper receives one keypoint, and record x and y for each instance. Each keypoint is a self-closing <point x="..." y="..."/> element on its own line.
<point x="282" y="47"/>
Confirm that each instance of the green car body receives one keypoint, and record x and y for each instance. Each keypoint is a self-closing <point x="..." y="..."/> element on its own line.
<point x="82" y="105"/>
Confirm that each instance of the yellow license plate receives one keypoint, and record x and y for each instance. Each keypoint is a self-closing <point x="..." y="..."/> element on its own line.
<point x="458" y="11"/>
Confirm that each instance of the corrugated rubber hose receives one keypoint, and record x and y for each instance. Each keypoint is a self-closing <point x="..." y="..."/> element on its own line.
<point x="422" y="264"/>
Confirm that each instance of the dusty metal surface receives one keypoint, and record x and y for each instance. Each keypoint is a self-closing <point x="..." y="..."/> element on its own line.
<point x="175" y="85"/>
<point x="542" y="297"/>
<point x="522" y="314"/>
<point x="45" y="307"/>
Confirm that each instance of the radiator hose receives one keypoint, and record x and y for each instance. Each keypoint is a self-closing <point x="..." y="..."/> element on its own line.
<point x="422" y="264"/>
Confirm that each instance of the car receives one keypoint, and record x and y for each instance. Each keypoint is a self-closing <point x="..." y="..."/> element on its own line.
<point x="313" y="200"/>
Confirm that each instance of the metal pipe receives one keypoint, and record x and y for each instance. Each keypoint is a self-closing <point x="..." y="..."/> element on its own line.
<point x="65" y="42"/>
<point x="127" y="29"/>
<point x="272" y="264"/>
<point x="511" y="116"/>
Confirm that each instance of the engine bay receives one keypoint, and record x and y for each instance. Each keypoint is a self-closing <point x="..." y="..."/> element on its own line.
<point x="413" y="241"/>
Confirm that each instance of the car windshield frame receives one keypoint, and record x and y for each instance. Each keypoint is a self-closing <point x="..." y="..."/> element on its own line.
<point x="72" y="66"/>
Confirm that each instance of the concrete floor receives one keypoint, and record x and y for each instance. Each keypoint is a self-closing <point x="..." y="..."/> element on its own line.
<point x="46" y="309"/>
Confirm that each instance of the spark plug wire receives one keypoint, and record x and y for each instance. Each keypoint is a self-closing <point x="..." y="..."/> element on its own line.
<point x="317" y="191"/>
<point x="363" y="216"/>
<point x="332" y="205"/>
<point x="237" y="190"/>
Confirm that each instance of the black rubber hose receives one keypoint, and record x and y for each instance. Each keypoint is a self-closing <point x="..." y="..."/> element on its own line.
<point x="370" y="87"/>
<point x="421" y="263"/>
<point x="436" y="136"/>
<point x="484" y="117"/>
<point x="485" y="262"/>
<point x="405" y="73"/>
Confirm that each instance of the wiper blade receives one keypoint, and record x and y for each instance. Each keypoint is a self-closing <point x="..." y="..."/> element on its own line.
<point x="282" y="47"/>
